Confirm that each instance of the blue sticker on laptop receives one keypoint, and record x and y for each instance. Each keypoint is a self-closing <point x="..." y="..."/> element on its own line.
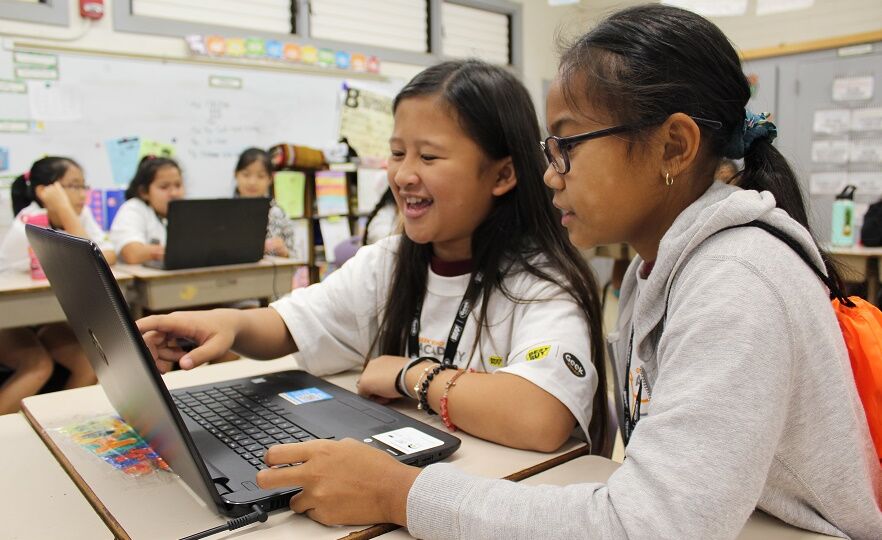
<point x="305" y="395"/>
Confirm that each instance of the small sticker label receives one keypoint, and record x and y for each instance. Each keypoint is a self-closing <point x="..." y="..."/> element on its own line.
<point x="305" y="395"/>
<point x="496" y="361"/>
<point x="408" y="440"/>
<point x="538" y="353"/>
<point x="574" y="365"/>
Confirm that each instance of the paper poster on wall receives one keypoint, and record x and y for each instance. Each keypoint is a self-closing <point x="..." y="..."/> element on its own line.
<point x="330" y="193"/>
<point x="51" y="101"/>
<point x="833" y="121"/>
<point x="334" y="230"/>
<point x="13" y="87"/>
<point x="302" y="244"/>
<point x="15" y="126"/>
<point x="867" y="183"/>
<point x="155" y="148"/>
<point x="853" y="88"/>
<point x="711" y="8"/>
<point x="865" y="151"/>
<point x="372" y="183"/>
<point x="866" y="119"/>
<point x="123" y="155"/>
<point x="289" y="188"/>
<point x="366" y="121"/>
<point x="827" y="183"/>
<point x="834" y="151"/>
<point x="768" y="7"/>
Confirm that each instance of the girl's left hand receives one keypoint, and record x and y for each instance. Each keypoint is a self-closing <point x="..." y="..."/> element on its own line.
<point x="378" y="378"/>
<point x="344" y="483"/>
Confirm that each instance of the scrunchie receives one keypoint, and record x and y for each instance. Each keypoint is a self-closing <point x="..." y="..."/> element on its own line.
<point x="755" y="126"/>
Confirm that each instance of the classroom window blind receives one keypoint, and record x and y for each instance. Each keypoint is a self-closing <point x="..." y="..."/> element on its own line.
<point x="469" y="32"/>
<point x="393" y="24"/>
<point x="264" y="15"/>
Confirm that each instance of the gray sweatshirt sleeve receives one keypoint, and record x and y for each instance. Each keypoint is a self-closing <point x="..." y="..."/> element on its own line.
<point x="695" y="466"/>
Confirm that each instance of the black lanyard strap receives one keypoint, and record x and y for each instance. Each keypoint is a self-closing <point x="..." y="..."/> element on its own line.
<point x="456" y="331"/>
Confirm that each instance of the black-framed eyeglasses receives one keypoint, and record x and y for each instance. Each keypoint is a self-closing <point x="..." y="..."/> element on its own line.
<point x="557" y="149"/>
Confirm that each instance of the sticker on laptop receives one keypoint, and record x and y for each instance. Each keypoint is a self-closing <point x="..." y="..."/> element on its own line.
<point x="408" y="440"/>
<point x="305" y="395"/>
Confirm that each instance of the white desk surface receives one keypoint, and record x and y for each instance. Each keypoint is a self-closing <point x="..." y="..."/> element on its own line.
<point x="587" y="469"/>
<point x="124" y="500"/>
<point x="857" y="251"/>
<point x="39" y="500"/>
<point x="147" y="273"/>
<point x="20" y="282"/>
<point x="25" y="301"/>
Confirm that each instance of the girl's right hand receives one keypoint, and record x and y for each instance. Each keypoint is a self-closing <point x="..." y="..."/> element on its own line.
<point x="54" y="198"/>
<point x="213" y="332"/>
<point x="156" y="252"/>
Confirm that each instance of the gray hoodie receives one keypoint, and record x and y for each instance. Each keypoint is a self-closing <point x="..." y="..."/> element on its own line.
<point x="752" y="403"/>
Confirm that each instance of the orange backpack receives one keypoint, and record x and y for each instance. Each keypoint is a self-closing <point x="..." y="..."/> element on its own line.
<point x="861" y="325"/>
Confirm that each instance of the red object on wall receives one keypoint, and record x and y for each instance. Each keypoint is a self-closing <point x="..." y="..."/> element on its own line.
<point x="92" y="9"/>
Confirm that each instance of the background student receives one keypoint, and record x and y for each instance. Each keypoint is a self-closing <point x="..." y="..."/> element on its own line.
<point x="54" y="187"/>
<point x="736" y="387"/>
<point x="138" y="231"/>
<point x="254" y="178"/>
<point x="481" y="239"/>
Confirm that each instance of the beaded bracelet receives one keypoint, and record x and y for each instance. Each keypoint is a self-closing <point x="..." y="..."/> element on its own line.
<point x="445" y="415"/>
<point x="424" y="386"/>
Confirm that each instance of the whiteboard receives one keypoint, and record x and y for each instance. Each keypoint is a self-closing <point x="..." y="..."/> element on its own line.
<point x="100" y="98"/>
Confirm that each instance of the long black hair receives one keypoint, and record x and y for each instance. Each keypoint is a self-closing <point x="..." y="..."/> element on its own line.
<point x="522" y="231"/>
<point x="146" y="174"/>
<point x="44" y="172"/>
<point x="251" y="155"/>
<point x="650" y="61"/>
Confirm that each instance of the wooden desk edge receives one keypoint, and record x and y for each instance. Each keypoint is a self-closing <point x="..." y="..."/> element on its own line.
<point x="71" y="471"/>
<point x="383" y="528"/>
<point x="154" y="274"/>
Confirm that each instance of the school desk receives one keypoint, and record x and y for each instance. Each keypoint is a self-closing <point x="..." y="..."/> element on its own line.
<point x="585" y="469"/>
<point x="162" y="507"/>
<point x="25" y="301"/>
<point x="38" y="499"/>
<point x="861" y="265"/>
<point x="163" y="290"/>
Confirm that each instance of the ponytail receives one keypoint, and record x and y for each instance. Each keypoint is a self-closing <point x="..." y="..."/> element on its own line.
<point x="765" y="169"/>
<point x="20" y="193"/>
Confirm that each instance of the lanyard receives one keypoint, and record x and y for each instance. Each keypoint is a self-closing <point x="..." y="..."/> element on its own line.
<point x="629" y="421"/>
<point x="462" y="315"/>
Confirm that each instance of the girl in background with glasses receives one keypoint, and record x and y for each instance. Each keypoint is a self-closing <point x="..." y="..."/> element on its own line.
<point x="735" y="387"/>
<point x="482" y="279"/>
<point x="54" y="191"/>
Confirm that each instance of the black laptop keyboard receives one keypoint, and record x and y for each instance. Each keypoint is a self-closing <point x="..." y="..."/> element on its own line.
<point x="243" y="419"/>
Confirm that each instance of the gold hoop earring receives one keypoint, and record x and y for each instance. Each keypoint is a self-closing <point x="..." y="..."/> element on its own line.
<point x="669" y="180"/>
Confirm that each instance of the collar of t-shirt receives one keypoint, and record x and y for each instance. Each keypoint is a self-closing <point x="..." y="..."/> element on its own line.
<point x="450" y="268"/>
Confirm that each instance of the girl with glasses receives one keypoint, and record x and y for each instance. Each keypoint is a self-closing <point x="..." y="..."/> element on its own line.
<point x="54" y="191"/>
<point x="482" y="290"/>
<point x="734" y="382"/>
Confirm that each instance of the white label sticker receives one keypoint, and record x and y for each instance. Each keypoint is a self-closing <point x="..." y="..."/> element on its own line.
<point x="408" y="440"/>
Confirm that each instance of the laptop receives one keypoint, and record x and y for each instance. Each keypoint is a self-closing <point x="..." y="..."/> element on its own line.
<point x="212" y="232"/>
<point x="214" y="436"/>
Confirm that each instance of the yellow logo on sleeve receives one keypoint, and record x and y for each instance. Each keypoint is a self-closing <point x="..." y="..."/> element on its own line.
<point x="496" y="361"/>
<point x="538" y="353"/>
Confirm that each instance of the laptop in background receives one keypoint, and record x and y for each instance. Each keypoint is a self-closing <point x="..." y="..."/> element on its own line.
<point x="213" y="436"/>
<point x="212" y="232"/>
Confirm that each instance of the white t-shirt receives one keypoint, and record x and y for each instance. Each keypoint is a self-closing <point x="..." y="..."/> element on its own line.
<point x="136" y="221"/>
<point x="14" y="250"/>
<point x="545" y="341"/>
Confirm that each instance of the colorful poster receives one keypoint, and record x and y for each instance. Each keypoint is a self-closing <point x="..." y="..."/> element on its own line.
<point x="330" y="193"/>
<point x="155" y="148"/>
<point x="366" y="122"/>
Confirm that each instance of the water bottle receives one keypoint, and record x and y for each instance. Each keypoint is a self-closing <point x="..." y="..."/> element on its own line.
<point x="40" y="220"/>
<point x="843" y="233"/>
